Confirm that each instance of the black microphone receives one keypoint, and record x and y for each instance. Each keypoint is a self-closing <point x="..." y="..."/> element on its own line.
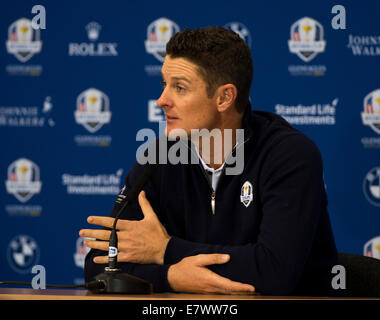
<point x="114" y="280"/>
<point x="130" y="197"/>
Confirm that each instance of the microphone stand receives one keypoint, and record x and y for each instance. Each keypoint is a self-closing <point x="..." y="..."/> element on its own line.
<point x="114" y="280"/>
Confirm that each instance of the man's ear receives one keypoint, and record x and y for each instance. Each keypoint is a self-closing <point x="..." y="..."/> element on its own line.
<point x="226" y="97"/>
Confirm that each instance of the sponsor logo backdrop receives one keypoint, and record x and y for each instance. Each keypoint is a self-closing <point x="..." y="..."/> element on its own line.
<point x="74" y="95"/>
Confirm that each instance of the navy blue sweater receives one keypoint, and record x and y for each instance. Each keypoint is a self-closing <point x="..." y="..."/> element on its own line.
<point x="282" y="243"/>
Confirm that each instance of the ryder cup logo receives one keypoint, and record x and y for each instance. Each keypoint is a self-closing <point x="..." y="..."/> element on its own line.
<point x="159" y="33"/>
<point x="372" y="248"/>
<point x="306" y="36"/>
<point x="23" y="179"/>
<point x="23" y="253"/>
<point x="92" y="109"/>
<point x="371" y="114"/>
<point x="246" y="194"/>
<point x="23" y="41"/>
<point x="371" y="186"/>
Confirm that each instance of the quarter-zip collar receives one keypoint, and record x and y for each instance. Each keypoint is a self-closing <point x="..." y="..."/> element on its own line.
<point x="248" y="133"/>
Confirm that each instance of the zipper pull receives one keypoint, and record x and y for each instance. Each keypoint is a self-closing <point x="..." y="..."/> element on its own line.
<point x="213" y="202"/>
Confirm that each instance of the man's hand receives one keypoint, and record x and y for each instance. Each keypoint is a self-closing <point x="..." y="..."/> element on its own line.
<point x="141" y="241"/>
<point x="191" y="275"/>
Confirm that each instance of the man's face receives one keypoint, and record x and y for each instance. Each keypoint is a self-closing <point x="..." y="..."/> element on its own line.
<point x="184" y="97"/>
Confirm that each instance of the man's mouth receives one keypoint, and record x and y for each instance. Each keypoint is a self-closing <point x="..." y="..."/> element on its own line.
<point x="170" y="117"/>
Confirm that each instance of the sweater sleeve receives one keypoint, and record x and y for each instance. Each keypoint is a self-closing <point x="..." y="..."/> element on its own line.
<point x="154" y="273"/>
<point x="291" y="191"/>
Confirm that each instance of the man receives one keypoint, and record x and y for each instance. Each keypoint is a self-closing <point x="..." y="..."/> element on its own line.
<point x="197" y="229"/>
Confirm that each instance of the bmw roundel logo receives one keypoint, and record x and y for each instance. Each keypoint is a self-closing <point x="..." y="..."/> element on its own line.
<point x="241" y="30"/>
<point x="371" y="186"/>
<point x="23" y="253"/>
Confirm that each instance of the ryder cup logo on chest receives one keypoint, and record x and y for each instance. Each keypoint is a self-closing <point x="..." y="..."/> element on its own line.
<point x="306" y="39"/>
<point x="23" y="41"/>
<point x="246" y="194"/>
<point x="92" y="109"/>
<point x="158" y="34"/>
<point x="23" y="179"/>
<point x="371" y="113"/>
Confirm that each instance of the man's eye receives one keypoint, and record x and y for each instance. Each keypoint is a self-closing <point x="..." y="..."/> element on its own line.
<point x="163" y="84"/>
<point x="180" y="89"/>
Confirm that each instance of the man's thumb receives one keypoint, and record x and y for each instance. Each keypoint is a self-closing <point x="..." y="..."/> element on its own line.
<point x="146" y="208"/>
<point x="213" y="258"/>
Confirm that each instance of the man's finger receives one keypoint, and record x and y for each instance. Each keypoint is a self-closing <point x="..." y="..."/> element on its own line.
<point x="219" y="284"/>
<point x="122" y="257"/>
<point x="101" y="259"/>
<point x="145" y="206"/>
<point x="101" y="221"/>
<point x="97" y="234"/>
<point x="100" y="245"/>
<point x="225" y="285"/>
<point x="107" y="222"/>
<point x="211" y="258"/>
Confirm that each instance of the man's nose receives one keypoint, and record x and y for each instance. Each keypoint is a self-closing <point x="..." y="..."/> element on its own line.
<point x="163" y="101"/>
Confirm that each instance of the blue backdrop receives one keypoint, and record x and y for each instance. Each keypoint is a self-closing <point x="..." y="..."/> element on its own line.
<point x="74" y="95"/>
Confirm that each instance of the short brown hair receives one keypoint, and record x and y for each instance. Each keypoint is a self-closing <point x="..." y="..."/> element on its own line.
<point x="221" y="56"/>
